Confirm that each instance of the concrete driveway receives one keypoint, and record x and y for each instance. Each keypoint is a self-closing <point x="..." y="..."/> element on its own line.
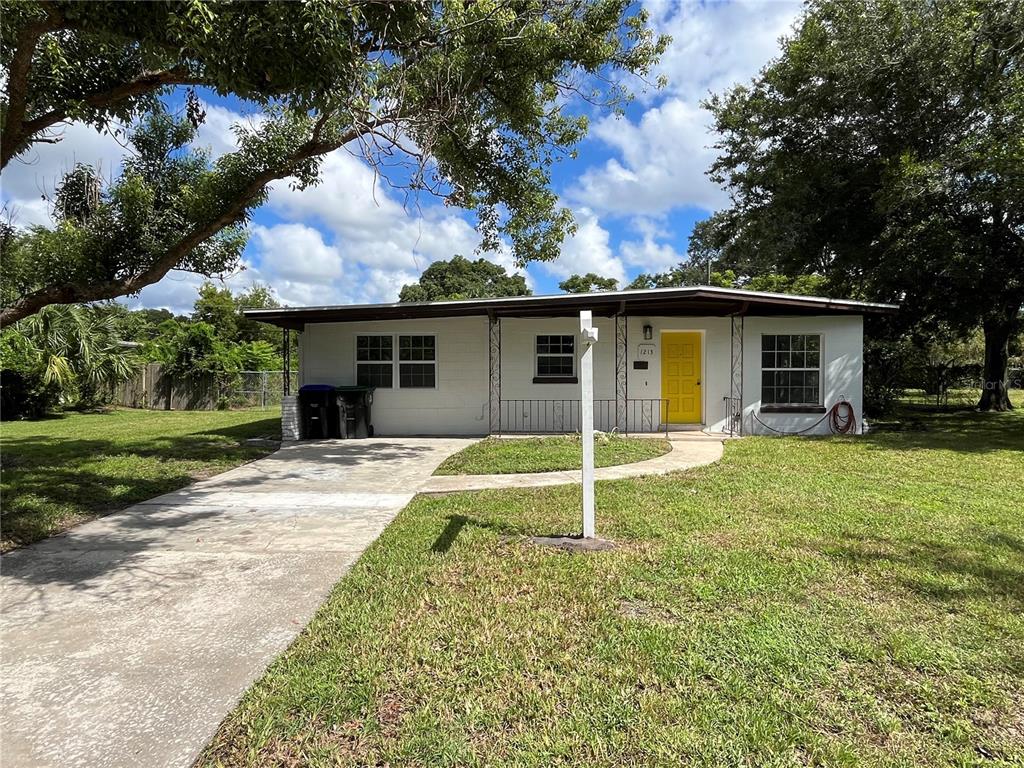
<point x="127" y="640"/>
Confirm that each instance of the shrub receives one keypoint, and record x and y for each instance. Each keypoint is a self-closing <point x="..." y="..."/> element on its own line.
<point x="25" y="392"/>
<point x="25" y="395"/>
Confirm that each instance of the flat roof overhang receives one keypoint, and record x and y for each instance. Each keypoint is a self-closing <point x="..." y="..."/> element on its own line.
<point x="695" y="301"/>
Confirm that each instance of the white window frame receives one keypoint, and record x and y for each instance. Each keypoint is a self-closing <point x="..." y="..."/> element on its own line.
<point x="399" y="361"/>
<point x="358" y="362"/>
<point x="819" y="369"/>
<point x="396" y="371"/>
<point x="537" y="355"/>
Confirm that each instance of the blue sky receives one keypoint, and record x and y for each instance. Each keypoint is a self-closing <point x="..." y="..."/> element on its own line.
<point x="636" y="188"/>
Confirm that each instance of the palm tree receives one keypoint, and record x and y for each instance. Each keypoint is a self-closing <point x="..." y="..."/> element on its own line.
<point x="79" y="346"/>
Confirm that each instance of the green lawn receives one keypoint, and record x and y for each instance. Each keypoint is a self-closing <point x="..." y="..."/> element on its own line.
<point x="497" y="455"/>
<point x="804" y="602"/>
<point x="956" y="399"/>
<point x="61" y="471"/>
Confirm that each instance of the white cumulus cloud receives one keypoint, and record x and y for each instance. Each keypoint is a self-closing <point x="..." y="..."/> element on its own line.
<point x="659" y="160"/>
<point x="377" y="233"/>
<point x="589" y="250"/>
<point x="659" y="163"/>
<point x="649" y="255"/>
<point x="36" y="172"/>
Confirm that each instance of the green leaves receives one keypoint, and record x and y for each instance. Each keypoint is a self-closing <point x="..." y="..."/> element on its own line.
<point x="470" y="102"/>
<point x="111" y="234"/>
<point x="883" y="149"/>
<point x="77" y="348"/>
<point x="587" y="283"/>
<point x="461" y="278"/>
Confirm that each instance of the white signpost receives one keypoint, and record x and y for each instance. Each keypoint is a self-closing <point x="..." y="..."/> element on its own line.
<point x="588" y="335"/>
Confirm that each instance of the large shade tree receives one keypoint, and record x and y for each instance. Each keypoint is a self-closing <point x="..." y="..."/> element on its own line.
<point x="460" y="278"/>
<point x="884" y="149"/>
<point x="588" y="283"/>
<point x="465" y="100"/>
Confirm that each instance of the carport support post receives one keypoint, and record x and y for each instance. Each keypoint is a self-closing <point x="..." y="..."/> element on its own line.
<point x="588" y="335"/>
<point x="290" y="427"/>
<point x="494" y="374"/>
<point x="621" y="418"/>
<point x="286" y="354"/>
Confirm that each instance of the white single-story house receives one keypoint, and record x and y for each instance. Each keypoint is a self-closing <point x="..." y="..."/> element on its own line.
<point x="717" y="359"/>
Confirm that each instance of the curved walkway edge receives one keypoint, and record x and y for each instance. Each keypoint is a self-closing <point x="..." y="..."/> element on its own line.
<point x="687" y="451"/>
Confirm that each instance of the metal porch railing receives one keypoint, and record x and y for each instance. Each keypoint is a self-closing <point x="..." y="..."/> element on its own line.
<point x="563" y="416"/>
<point x="733" y="415"/>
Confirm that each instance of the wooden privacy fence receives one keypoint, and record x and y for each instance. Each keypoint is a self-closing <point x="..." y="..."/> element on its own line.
<point x="151" y="388"/>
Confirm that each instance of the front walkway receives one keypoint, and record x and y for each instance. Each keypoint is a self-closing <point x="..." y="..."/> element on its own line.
<point x="689" y="449"/>
<point x="127" y="640"/>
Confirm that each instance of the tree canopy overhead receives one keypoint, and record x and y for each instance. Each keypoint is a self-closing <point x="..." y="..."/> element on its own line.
<point x="884" y="149"/>
<point x="465" y="100"/>
<point x="460" y="278"/>
<point x="588" y="283"/>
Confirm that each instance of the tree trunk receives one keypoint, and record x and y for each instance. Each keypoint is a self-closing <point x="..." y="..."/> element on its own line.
<point x="995" y="395"/>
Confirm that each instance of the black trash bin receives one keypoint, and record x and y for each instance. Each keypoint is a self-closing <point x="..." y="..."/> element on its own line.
<point x="317" y="409"/>
<point x="353" y="411"/>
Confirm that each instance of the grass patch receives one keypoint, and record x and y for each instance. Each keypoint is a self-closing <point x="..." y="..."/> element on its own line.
<point x="955" y="399"/>
<point x="815" y="601"/>
<point x="61" y="471"/>
<point x="498" y="455"/>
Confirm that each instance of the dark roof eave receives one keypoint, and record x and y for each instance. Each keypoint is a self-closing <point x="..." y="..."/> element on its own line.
<point x="692" y="301"/>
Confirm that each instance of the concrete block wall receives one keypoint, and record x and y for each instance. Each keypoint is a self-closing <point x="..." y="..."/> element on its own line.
<point x="290" y="427"/>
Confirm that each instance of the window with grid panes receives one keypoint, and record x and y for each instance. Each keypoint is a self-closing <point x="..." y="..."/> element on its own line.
<point x="556" y="356"/>
<point x="791" y="369"/>
<point x="375" y="365"/>
<point x="417" y="362"/>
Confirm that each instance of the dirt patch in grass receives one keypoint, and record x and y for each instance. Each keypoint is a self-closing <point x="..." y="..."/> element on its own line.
<point x="642" y="610"/>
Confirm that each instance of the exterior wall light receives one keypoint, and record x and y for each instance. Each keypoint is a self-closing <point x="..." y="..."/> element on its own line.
<point x="648" y="332"/>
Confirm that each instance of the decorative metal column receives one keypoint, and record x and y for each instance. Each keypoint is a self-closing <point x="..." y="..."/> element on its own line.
<point x="287" y="355"/>
<point x="735" y="414"/>
<point x="494" y="373"/>
<point x="621" y="364"/>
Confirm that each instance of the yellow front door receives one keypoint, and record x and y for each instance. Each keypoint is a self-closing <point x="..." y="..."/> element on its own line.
<point x="680" y="376"/>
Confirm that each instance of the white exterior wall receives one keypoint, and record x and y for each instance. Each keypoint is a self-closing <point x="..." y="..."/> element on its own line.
<point x="715" y="366"/>
<point x="459" y="403"/>
<point x="518" y="358"/>
<point x="457" y="406"/>
<point x="842" y="370"/>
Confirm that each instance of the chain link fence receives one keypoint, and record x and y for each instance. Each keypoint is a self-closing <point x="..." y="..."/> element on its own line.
<point x="255" y="389"/>
<point x="151" y="388"/>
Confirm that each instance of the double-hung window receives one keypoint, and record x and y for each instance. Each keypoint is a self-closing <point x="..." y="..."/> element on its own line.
<point x="791" y="370"/>
<point x="375" y="361"/>
<point x="556" y="358"/>
<point x="416" y="361"/>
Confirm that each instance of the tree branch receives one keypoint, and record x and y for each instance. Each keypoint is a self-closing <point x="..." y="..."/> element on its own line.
<point x="17" y="83"/>
<point x="72" y="293"/>
<point x="21" y="133"/>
